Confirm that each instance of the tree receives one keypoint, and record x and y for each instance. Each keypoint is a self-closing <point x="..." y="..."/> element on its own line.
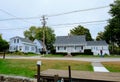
<point x="37" y="33"/>
<point x="112" y="30"/>
<point x="100" y="36"/>
<point x="3" y="44"/>
<point x="80" y="30"/>
<point x="31" y="33"/>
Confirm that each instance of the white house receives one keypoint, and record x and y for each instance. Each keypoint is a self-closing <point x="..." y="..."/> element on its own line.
<point x="77" y="44"/>
<point x="97" y="46"/>
<point x="39" y="46"/>
<point x="24" y="45"/>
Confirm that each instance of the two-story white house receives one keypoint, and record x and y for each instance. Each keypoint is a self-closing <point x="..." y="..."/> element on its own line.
<point x="25" y="45"/>
<point x="77" y="44"/>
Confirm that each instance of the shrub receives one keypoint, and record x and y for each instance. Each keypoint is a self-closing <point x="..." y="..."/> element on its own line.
<point x="18" y="53"/>
<point x="88" y="52"/>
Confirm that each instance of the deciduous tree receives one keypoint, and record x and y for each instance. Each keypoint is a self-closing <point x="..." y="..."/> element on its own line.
<point x="112" y="30"/>
<point x="80" y="30"/>
<point x="37" y="33"/>
<point x="3" y="44"/>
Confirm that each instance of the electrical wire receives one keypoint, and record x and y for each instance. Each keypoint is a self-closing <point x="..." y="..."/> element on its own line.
<point x="15" y="17"/>
<point x="53" y="15"/>
<point x="90" y="9"/>
<point x="88" y="22"/>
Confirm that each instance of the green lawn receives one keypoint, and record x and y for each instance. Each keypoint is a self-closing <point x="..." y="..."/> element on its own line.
<point x="24" y="67"/>
<point x="82" y="56"/>
<point x="112" y="66"/>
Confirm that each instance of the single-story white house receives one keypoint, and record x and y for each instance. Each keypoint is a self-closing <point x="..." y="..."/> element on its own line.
<point x="77" y="44"/>
<point x="25" y="45"/>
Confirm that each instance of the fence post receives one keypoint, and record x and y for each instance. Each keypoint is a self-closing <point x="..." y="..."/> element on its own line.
<point x="38" y="70"/>
<point x="4" y="55"/>
<point x="69" y="69"/>
<point x="56" y="78"/>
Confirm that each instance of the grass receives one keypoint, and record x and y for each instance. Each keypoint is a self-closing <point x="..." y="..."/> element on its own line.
<point x="112" y="66"/>
<point x="54" y="55"/>
<point x="28" y="68"/>
<point x="82" y="56"/>
<point x="60" y="55"/>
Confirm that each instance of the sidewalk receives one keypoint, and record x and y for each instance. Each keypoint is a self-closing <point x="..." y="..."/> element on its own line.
<point x="86" y="75"/>
<point x="98" y="67"/>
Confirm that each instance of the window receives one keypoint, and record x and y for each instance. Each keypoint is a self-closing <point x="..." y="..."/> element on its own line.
<point x="32" y="48"/>
<point x="82" y="47"/>
<point x="17" y="40"/>
<point x="14" y="40"/>
<point x="10" y="48"/>
<point x="16" y="47"/>
<point x="58" y="47"/>
<point x="20" y="48"/>
<point x="102" y="47"/>
<point x="91" y="47"/>
<point x="96" y="48"/>
<point x="77" y="47"/>
<point x="26" y="47"/>
<point x="64" y="48"/>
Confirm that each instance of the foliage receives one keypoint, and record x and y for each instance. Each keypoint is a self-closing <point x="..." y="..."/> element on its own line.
<point x="49" y="36"/>
<point x="80" y="30"/>
<point x="30" y="34"/>
<point x="114" y="49"/>
<point x="3" y="44"/>
<point x="100" y="36"/>
<point x="88" y="52"/>
<point x="37" y="33"/>
<point x="18" y="53"/>
<point x="112" y="30"/>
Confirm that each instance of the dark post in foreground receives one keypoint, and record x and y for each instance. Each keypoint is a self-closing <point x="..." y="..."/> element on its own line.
<point x="69" y="68"/>
<point x="38" y="70"/>
<point x="4" y="55"/>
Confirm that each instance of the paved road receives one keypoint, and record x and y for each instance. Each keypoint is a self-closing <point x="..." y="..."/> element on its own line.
<point x="65" y="58"/>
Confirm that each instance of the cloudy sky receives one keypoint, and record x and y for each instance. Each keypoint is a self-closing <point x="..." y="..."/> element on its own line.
<point x="36" y="8"/>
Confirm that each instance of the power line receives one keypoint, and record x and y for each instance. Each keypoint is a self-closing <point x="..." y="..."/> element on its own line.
<point x="78" y="11"/>
<point x="27" y="18"/>
<point x="88" y="22"/>
<point x="64" y="13"/>
<point x="15" y="17"/>
<point x="79" y="23"/>
<point x="12" y="28"/>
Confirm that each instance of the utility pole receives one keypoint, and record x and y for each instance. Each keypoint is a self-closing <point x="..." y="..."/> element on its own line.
<point x="44" y="28"/>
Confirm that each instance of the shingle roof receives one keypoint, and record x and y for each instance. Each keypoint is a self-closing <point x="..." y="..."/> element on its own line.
<point x="40" y="42"/>
<point x="23" y="39"/>
<point x="60" y="40"/>
<point x="92" y="43"/>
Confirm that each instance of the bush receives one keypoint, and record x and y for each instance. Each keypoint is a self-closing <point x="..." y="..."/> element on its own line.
<point x="114" y="50"/>
<point x="18" y="53"/>
<point x="88" y="52"/>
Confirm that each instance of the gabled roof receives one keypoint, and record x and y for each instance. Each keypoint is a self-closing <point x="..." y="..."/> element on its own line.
<point x="23" y="39"/>
<point x="60" y="40"/>
<point x="93" y="43"/>
<point x="39" y="41"/>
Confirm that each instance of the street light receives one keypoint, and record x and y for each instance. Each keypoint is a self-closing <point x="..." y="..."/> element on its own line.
<point x="38" y="70"/>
